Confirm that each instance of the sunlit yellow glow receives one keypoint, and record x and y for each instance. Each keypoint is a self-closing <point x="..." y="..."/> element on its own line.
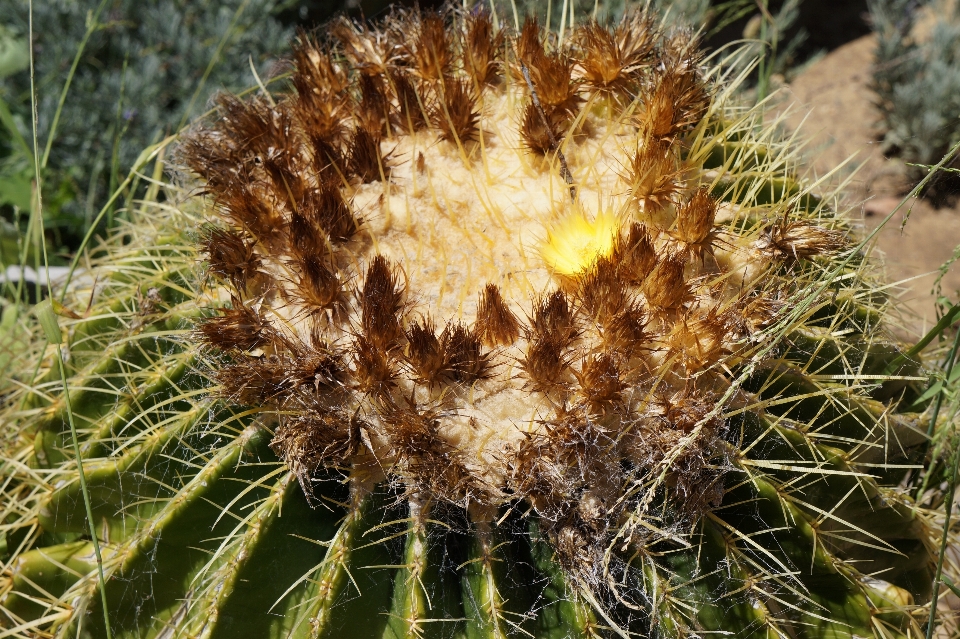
<point x="575" y="243"/>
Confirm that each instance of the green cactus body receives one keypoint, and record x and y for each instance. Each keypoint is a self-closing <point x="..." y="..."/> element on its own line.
<point x="655" y="401"/>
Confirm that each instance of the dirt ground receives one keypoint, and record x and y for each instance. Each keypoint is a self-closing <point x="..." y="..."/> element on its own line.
<point x="831" y="103"/>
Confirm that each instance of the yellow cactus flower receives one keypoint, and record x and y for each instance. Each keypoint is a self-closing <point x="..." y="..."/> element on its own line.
<point x="575" y="243"/>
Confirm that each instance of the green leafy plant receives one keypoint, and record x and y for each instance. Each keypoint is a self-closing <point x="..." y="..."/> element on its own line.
<point x="138" y="73"/>
<point x="495" y="335"/>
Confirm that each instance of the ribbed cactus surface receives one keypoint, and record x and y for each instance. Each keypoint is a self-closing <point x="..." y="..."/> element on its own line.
<point x="474" y="331"/>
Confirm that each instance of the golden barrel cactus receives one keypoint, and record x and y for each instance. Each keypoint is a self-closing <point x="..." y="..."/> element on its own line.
<point x="474" y="331"/>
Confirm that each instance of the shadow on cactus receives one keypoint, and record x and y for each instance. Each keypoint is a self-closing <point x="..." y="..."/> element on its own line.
<point x="496" y="334"/>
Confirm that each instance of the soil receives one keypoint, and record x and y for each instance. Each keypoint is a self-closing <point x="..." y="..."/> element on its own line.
<point x="830" y="102"/>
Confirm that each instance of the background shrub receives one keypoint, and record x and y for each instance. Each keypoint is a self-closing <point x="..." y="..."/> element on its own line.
<point x="145" y="70"/>
<point x="917" y="82"/>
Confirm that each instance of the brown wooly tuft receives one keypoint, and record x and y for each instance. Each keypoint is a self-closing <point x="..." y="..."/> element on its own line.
<point x="370" y="51"/>
<point x="552" y="79"/>
<point x="528" y="45"/>
<point x="231" y="256"/>
<point x="322" y="102"/>
<point x="793" y="240"/>
<point x="455" y="356"/>
<point x="624" y="334"/>
<point x="682" y="58"/>
<point x="431" y="52"/>
<point x="456" y="114"/>
<point x="374" y="367"/>
<point x="660" y="117"/>
<point x="466" y="360"/>
<point x="425" y="353"/>
<point x="546" y="363"/>
<point x="600" y="291"/>
<point x="240" y="204"/>
<point x="252" y="127"/>
<point x="373" y="112"/>
<point x="254" y="381"/>
<point x="556" y="461"/>
<point x="430" y="465"/>
<point x="239" y="327"/>
<point x="306" y="238"/>
<point x="613" y="62"/>
<point x="557" y="469"/>
<point x="241" y="195"/>
<point x="678" y="99"/>
<point x="552" y="331"/>
<point x="665" y="287"/>
<point x="695" y="475"/>
<point x="551" y="74"/>
<point x="482" y="49"/>
<point x="634" y="254"/>
<point x="381" y="304"/>
<point x="375" y="344"/>
<point x="496" y="325"/>
<point x="318" y="367"/>
<point x="365" y="160"/>
<point x="212" y="156"/>
<point x="698" y="340"/>
<point x="408" y="114"/>
<point x="538" y="136"/>
<point x="534" y="131"/>
<point x="315" y="437"/>
<point x="329" y="162"/>
<point x="319" y="287"/>
<point x="600" y="382"/>
<point x="754" y="312"/>
<point x="552" y="315"/>
<point x="653" y="177"/>
<point x="267" y="138"/>
<point x="695" y="222"/>
<point x="326" y="208"/>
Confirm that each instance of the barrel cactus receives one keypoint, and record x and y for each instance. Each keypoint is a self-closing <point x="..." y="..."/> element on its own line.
<point x="473" y="330"/>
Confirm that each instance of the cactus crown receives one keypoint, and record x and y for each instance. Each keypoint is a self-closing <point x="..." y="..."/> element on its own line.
<point x="488" y="266"/>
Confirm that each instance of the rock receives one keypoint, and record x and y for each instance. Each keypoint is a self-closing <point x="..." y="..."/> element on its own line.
<point x="832" y="102"/>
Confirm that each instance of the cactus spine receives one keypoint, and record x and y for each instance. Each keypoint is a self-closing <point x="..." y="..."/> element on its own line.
<point x="499" y="335"/>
